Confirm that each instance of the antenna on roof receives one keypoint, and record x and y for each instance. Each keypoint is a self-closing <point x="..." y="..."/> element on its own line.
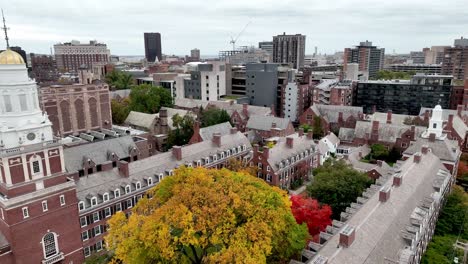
<point x="5" y="29"/>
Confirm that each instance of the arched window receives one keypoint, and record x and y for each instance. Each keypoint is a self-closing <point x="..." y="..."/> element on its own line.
<point x="150" y="181"/>
<point x="49" y="244"/>
<point x="138" y="186"/>
<point x="127" y="189"/>
<point x="105" y="197"/>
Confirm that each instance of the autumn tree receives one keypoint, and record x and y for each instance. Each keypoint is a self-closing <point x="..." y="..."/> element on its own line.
<point x="237" y="165"/>
<point x="208" y="216"/>
<point x="120" y="110"/>
<point x="309" y="211"/>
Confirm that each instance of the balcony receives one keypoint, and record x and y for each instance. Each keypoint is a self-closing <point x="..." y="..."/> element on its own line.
<point x="54" y="259"/>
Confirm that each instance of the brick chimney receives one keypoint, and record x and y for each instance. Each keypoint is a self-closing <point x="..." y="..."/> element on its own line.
<point x="266" y="152"/>
<point x="347" y="235"/>
<point x="424" y="149"/>
<point x="340" y="117"/>
<point x="233" y="130"/>
<point x="177" y="152"/>
<point x="459" y="110"/>
<point x="255" y="148"/>
<point x="427" y="115"/>
<point x="217" y="139"/>
<point x="272" y="110"/>
<point x="417" y="157"/>
<point x="123" y="168"/>
<point x="432" y="137"/>
<point x="290" y="142"/>
<point x="379" y="163"/>
<point x="301" y="131"/>
<point x="389" y="116"/>
<point x="310" y="134"/>
<point x="397" y="180"/>
<point x="245" y="109"/>
<point x="360" y="154"/>
<point x="384" y="194"/>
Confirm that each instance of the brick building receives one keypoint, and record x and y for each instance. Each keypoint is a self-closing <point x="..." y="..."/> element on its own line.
<point x="206" y="133"/>
<point x="333" y="92"/>
<point x="44" y="68"/>
<point x="270" y="126"/>
<point x="455" y="60"/>
<point x="72" y="55"/>
<point x="78" y="108"/>
<point x="333" y="117"/>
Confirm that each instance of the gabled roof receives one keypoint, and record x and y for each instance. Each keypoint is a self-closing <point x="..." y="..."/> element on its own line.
<point x="331" y="112"/>
<point x="281" y="151"/>
<point x="446" y="150"/>
<point x="397" y="119"/>
<point x="346" y="134"/>
<point x="459" y="126"/>
<point x="387" y="132"/>
<point x="231" y="107"/>
<point x="264" y="123"/>
<point x="332" y="138"/>
<point x="322" y="147"/>
<point x="140" y="119"/>
<point x="206" y="133"/>
<point x="98" y="152"/>
<point x="189" y="103"/>
<point x="172" y="112"/>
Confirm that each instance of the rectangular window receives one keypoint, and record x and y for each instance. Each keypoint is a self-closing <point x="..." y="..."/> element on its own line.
<point x="87" y="252"/>
<point x="99" y="246"/>
<point x="95" y="217"/>
<point x="84" y="235"/>
<point x="107" y="212"/>
<point x="25" y="212"/>
<point x="44" y="206"/>
<point x="118" y="207"/>
<point x="83" y="221"/>
<point x="129" y="203"/>
<point x="62" y="200"/>
<point x="8" y="106"/>
<point x="97" y="230"/>
<point x="23" y="104"/>
<point x="36" y="167"/>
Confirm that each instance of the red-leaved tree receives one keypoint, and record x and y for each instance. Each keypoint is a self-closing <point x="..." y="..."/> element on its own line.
<point x="309" y="211"/>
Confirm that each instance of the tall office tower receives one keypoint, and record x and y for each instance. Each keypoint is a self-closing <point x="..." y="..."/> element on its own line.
<point x="195" y="54"/>
<point x="266" y="46"/>
<point x="456" y="60"/>
<point x="435" y="55"/>
<point x="289" y="49"/>
<point x="369" y="58"/>
<point x="72" y="55"/>
<point x="153" y="46"/>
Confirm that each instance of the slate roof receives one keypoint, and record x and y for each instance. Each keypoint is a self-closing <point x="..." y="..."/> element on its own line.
<point x="206" y="133"/>
<point x="264" y="123"/>
<point x="333" y="138"/>
<point x="446" y="150"/>
<point x="459" y="126"/>
<point x="397" y="119"/>
<point x="140" y="119"/>
<point x="322" y="147"/>
<point x="346" y="134"/>
<point x="445" y="112"/>
<point x="251" y="109"/>
<point x="281" y="151"/>
<point x="355" y="161"/>
<point x="380" y="226"/>
<point x="97" y="152"/>
<point x="189" y="103"/>
<point x="387" y="132"/>
<point x="140" y="170"/>
<point x="331" y="112"/>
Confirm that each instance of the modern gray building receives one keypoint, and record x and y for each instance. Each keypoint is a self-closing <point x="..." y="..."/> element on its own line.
<point x="422" y="68"/>
<point x="266" y="46"/>
<point x="153" y="46"/>
<point x="289" y="49"/>
<point x="207" y="82"/>
<point x="404" y="96"/>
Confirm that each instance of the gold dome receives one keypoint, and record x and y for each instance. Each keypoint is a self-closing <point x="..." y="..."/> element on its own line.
<point x="10" y="57"/>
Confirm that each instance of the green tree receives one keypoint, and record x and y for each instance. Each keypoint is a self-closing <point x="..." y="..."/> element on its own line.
<point x="149" y="99"/>
<point x="317" y="128"/>
<point x="120" y="110"/>
<point x="305" y="127"/>
<point x="182" y="132"/>
<point x="208" y="216"/>
<point x="452" y="219"/>
<point x="112" y="78"/>
<point x="441" y="250"/>
<point x="125" y="81"/>
<point x="379" y="151"/>
<point x="213" y="116"/>
<point x="338" y="185"/>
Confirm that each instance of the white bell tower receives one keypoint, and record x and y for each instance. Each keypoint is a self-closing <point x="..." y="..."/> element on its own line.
<point x="436" y="122"/>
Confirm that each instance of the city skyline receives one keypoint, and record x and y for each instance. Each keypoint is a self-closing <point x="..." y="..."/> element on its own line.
<point x="401" y="25"/>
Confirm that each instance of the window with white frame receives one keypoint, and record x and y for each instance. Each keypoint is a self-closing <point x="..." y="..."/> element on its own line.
<point x="150" y="181"/>
<point x="83" y="221"/>
<point x="171" y="172"/>
<point x="62" y="200"/>
<point x="95" y="217"/>
<point x="129" y="203"/>
<point x="161" y="176"/>
<point x="198" y="163"/>
<point x="260" y="165"/>
<point x="98" y="246"/>
<point x="117" y="193"/>
<point x="25" y="212"/>
<point x="222" y="155"/>
<point x="138" y="186"/>
<point x="36" y="167"/>
<point x="84" y="235"/>
<point x="118" y="207"/>
<point x="49" y="244"/>
<point x="97" y="230"/>
<point x="207" y="160"/>
<point x="107" y="212"/>
<point x="268" y="178"/>
<point x="81" y="206"/>
<point x="228" y="152"/>
<point x="105" y="197"/>
<point x="87" y="251"/>
<point x="44" y="206"/>
<point x="127" y="189"/>
<point x="93" y="201"/>
<point x="244" y="147"/>
<point x="35" y="164"/>
<point x="215" y="157"/>
<point x="268" y="168"/>
<point x="239" y="149"/>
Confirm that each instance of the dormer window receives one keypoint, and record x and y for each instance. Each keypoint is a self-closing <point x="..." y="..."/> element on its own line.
<point x="222" y="155"/>
<point x="138" y="185"/>
<point x="244" y="147"/>
<point x="171" y="172"/>
<point x="105" y="197"/>
<point x="228" y="153"/>
<point x="150" y="181"/>
<point x="198" y="163"/>
<point x="207" y="160"/>
<point x="81" y="206"/>
<point x="215" y="157"/>
<point x="117" y="193"/>
<point x="93" y="201"/>
<point x="160" y="177"/>
<point x="127" y="189"/>
<point x="239" y="149"/>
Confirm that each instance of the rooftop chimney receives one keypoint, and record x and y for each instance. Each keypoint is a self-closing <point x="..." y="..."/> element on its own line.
<point x="177" y="152"/>
<point x="427" y="115"/>
<point x="266" y="152"/>
<point x="417" y="157"/>
<point x="231" y="102"/>
<point x="397" y="180"/>
<point x="217" y="139"/>
<point x="245" y="109"/>
<point x="347" y="235"/>
<point x="379" y="163"/>
<point x="123" y="168"/>
<point x="425" y="149"/>
<point x="301" y="131"/>
<point x="340" y="117"/>
<point x="290" y="142"/>
<point x="384" y="194"/>
<point x="389" y="116"/>
<point x="459" y="110"/>
<point x="234" y="130"/>
<point x="432" y="137"/>
<point x="450" y="120"/>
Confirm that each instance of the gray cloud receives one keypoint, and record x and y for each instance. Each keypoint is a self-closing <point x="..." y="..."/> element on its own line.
<point x="399" y="25"/>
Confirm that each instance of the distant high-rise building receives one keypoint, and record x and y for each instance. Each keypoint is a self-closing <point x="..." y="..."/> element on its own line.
<point x="266" y="46"/>
<point x="195" y="54"/>
<point x="417" y="57"/>
<point x="153" y="46"/>
<point x="289" y="49"/>
<point x="369" y="58"/>
<point x="72" y="55"/>
<point x="435" y="55"/>
<point x="456" y="60"/>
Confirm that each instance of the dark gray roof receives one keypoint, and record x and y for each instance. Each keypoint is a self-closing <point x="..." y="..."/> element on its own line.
<point x="387" y="132"/>
<point x="251" y="109"/>
<point x="446" y="150"/>
<point x="346" y="134"/>
<point x="97" y="152"/>
<point x="264" y="123"/>
<point x="331" y="112"/>
<point x="140" y="119"/>
<point x="206" y="133"/>
<point x="281" y="151"/>
<point x="445" y="112"/>
<point x="397" y="119"/>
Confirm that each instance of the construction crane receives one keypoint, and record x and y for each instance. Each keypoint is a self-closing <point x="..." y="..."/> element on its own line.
<point x="233" y="41"/>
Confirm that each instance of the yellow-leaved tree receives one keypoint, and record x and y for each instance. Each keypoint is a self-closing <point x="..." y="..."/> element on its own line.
<point x="208" y="216"/>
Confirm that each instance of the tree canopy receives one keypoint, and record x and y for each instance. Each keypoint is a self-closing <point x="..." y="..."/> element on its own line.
<point x="208" y="216"/>
<point x="309" y="211"/>
<point x="317" y="128"/>
<point x="338" y="185"/>
<point x="120" y="110"/>
<point x="213" y="116"/>
<point x="119" y="80"/>
<point x="182" y="132"/>
<point x="393" y="75"/>
<point x="149" y="99"/>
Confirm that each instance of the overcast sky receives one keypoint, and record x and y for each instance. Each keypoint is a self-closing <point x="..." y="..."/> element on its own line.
<point x="400" y="25"/>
